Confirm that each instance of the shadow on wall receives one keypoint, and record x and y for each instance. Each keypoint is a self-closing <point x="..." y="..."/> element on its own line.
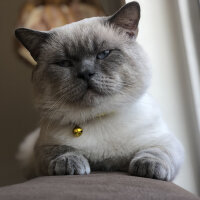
<point x="17" y="116"/>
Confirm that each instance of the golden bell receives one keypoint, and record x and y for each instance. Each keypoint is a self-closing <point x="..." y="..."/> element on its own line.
<point x="77" y="131"/>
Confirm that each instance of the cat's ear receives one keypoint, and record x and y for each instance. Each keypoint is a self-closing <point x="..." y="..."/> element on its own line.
<point x="32" y="40"/>
<point x="127" y="18"/>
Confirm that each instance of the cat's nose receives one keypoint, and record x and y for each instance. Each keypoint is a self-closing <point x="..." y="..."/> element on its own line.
<point x="85" y="75"/>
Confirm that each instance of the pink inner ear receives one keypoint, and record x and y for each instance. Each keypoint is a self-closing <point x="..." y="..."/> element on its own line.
<point x="131" y="25"/>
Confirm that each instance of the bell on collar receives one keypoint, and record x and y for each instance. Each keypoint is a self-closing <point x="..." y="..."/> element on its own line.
<point x="77" y="131"/>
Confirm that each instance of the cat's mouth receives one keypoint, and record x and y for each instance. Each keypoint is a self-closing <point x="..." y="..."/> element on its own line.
<point x="98" y="90"/>
<point x="91" y="88"/>
<point x="90" y="94"/>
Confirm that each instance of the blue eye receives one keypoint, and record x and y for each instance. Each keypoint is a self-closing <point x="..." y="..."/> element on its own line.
<point x="103" y="54"/>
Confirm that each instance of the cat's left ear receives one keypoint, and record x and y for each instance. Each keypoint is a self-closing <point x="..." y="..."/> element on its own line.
<point x="32" y="40"/>
<point x="127" y="18"/>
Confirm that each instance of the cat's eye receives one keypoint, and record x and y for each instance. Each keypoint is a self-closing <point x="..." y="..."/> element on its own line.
<point x="103" y="54"/>
<point x="64" y="63"/>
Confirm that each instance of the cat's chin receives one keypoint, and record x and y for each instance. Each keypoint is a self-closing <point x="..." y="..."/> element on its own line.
<point x="91" y="98"/>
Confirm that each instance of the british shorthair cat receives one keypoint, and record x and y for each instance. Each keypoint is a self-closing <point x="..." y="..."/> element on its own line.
<point x="90" y="86"/>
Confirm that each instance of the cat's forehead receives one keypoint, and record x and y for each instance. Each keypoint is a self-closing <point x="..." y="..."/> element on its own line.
<point x="88" y="35"/>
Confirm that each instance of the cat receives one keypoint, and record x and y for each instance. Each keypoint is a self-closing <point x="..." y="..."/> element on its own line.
<point x="91" y="81"/>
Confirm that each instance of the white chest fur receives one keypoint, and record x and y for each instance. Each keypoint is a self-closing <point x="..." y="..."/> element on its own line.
<point x="116" y="135"/>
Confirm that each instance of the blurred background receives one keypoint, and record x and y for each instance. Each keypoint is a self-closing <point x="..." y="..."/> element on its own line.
<point x="170" y="34"/>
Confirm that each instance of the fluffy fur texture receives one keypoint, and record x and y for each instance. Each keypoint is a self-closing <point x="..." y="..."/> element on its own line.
<point x="86" y="69"/>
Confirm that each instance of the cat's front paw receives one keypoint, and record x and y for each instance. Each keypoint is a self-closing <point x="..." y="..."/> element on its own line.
<point x="149" y="168"/>
<point x="69" y="164"/>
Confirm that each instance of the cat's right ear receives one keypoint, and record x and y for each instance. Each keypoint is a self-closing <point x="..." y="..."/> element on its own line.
<point x="32" y="40"/>
<point x="127" y="18"/>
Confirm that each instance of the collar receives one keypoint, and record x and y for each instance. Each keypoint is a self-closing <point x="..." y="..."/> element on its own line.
<point x="78" y="131"/>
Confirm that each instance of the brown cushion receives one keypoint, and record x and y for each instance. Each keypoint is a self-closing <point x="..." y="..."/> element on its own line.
<point x="99" y="186"/>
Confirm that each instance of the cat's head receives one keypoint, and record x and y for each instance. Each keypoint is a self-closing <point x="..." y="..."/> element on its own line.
<point x="92" y="65"/>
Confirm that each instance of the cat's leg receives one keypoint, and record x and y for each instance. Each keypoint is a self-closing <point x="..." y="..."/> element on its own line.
<point x="60" y="160"/>
<point x="156" y="163"/>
